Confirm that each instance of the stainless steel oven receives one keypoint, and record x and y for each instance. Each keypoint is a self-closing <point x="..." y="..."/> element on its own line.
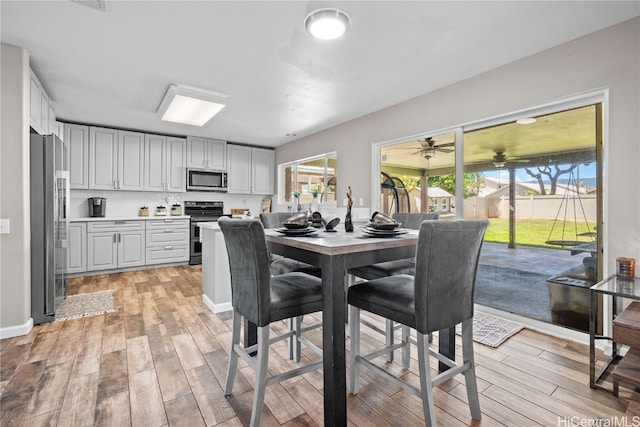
<point x="200" y="212"/>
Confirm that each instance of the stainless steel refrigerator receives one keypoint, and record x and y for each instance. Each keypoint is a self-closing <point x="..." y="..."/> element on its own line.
<point x="49" y="226"/>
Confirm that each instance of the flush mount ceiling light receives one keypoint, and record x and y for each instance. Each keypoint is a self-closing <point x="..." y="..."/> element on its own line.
<point x="189" y="105"/>
<point x="327" y="24"/>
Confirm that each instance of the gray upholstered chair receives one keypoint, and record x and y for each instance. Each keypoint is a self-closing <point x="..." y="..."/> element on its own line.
<point x="262" y="299"/>
<point x="391" y="268"/>
<point x="281" y="265"/>
<point x="440" y="296"/>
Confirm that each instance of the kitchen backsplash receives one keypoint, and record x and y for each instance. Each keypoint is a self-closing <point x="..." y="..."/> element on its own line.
<point x="127" y="203"/>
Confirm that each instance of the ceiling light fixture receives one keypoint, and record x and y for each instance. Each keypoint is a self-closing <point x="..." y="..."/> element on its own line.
<point x="428" y="153"/>
<point x="189" y="105"/>
<point x="526" y="120"/>
<point x="327" y="24"/>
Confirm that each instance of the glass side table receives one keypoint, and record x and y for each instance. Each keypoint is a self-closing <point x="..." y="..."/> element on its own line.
<point x="614" y="287"/>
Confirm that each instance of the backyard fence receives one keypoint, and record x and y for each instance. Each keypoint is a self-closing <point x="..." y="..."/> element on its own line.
<point x="534" y="207"/>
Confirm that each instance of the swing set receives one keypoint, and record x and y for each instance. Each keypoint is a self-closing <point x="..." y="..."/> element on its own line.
<point x="570" y="238"/>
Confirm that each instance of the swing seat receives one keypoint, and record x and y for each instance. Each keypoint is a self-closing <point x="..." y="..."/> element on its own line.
<point x="564" y="243"/>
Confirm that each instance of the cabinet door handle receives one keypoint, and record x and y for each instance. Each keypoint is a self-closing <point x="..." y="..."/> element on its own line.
<point x="114" y="237"/>
<point x="119" y="237"/>
<point x="168" y="247"/>
<point x="168" y="230"/>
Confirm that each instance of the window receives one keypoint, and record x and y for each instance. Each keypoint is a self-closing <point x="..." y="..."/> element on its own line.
<point x="309" y="178"/>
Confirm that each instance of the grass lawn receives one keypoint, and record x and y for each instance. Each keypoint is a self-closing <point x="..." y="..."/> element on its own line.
<point x="536" y="232"/>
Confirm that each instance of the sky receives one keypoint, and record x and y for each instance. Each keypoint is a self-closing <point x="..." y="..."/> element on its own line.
<point x="582" y="172"/>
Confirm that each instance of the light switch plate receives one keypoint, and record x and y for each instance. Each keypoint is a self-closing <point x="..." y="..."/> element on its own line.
<point x="4" y="226"/>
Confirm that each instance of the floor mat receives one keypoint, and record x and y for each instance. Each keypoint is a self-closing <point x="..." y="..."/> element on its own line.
<point x="84" y="305"/>
<point x="491" y="331"/>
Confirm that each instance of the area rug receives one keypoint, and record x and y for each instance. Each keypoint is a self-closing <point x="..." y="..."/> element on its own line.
<point x="84" y="305"/>
<point x="491" y="331"/>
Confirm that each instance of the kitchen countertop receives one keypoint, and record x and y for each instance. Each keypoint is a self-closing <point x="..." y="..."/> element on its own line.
<point x="127" y="218"/>
<point x="213" y="225"/>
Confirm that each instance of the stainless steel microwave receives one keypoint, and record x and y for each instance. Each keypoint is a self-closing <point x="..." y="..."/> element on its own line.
<point x="206" y="180"/>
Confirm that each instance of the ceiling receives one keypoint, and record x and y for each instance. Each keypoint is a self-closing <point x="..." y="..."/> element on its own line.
<point x="112" y="67"/>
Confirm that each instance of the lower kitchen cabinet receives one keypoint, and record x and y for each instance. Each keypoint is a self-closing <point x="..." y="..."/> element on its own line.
<point x="77" y="255"/>
<point x="167" y="241"/>
<point x="115" y="244"/>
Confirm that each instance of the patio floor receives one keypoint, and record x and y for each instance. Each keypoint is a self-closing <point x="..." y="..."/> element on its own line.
<point x="515" y="281"/>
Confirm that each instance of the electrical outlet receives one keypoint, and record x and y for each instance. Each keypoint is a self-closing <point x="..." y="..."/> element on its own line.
<point x="4" y="226"/>
<point x="361" y="201"/>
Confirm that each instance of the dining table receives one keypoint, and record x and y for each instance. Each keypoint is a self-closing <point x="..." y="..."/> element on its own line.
<point x="335" y="253"/>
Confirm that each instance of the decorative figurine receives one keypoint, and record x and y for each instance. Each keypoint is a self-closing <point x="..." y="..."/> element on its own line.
<point x="348" y="223"/>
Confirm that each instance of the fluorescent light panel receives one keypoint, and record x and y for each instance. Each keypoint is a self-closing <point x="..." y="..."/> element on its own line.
<point x="191" y="106"/>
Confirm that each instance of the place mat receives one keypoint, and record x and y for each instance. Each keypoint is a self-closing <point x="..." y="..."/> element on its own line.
<point x="491" y="331"/>
<point x="84" y="305"/>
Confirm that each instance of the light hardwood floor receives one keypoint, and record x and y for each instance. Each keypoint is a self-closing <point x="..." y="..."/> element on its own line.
<point x="161" y="358"/>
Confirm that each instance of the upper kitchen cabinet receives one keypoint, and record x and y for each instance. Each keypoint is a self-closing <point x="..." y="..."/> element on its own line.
<point x="250" y="170"/>
<point x="116" y="159"/>
<point x="76" y="138"/>
<point x="41" y="115"/>
<point x="164" y="163"/>
<point x="206" y="153"/>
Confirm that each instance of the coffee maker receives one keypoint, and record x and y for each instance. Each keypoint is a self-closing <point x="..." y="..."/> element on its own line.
<point x="97" y="206"/>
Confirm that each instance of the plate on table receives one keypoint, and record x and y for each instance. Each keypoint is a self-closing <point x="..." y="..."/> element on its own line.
<point x="384" y="226"/>
<point x="372" y="232"/>
<point x="295" y="225"/>
<point x="296" y="232"/>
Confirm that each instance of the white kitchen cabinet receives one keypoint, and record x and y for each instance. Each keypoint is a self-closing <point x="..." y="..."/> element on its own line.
<point x="206" y="153"/>
<point x="262" y="171"/>
<point x="115" y="244"/>
<point x="41" y="114"/>
<point x="76" y="138"/>
<point x="35" y="102"/>
<point x="116" y="159"/>
<point x="103" y="158"/>
<point x="77" y="255"/>
<point x="167" y="240"/>
<point x="58" y="129"/>
<point x="130" y="161"/>
<point x="164" y="163"/>
<point x="250" y="170"/>
<point x="44" y="113"/>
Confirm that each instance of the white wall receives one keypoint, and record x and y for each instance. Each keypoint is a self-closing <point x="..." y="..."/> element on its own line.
<point x="15" y="255"/>
<point x="609" y="58"/>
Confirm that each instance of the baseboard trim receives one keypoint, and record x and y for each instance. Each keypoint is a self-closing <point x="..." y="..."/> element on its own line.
<point x="16" y="331"/>
<point x="216" y="308"/>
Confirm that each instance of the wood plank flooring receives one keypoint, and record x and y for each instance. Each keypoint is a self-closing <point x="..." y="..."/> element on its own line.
<point x="161" y="358"/>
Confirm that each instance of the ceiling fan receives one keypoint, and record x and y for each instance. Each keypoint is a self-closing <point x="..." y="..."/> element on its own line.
<point x="500" y="160"/>
<point x="428" y="148"/>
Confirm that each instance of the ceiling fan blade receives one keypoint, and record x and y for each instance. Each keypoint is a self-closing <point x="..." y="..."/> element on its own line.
<point x="518" y="160"/>
<point x="447" y="144"/>
<point x="444" y="150"/>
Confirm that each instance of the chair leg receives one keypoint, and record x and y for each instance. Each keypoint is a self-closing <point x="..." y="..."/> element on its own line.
<point x="470" y="374"/>
<point x="294" y="341"/>
<point x="426" y="387"/>
<point x="262" y="359"/>
<point x="406" y="348"/>
<point x="233" y="356"/>
<point x="354" y="328"/>
<point x="389" y="331"/>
